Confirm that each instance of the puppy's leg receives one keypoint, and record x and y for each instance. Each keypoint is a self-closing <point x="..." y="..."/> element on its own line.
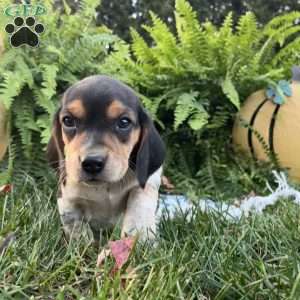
<point x="97" y="230"/>
<point x="71" y="218"/>
<point x="139" y="216"/>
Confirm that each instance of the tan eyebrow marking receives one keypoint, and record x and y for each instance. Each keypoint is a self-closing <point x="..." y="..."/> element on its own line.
<point x="76" y="108"/>
<point x="116" y="108"/>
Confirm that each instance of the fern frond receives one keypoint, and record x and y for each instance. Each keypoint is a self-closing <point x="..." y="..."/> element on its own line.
<point x="282" y="27"/>
<point x="230" y="91"/>
<point x="224" y="45"/>
<point x="86" y="48"/>
<point x="188" y="108"/>
<point x="190" y="34"/>
<point x="88" y="8"/>
<point x="8" y="59"/>
<point x="120" y="64"/>
<point x="25" y="123"/>
<point x="248" y="33"/>
<point x="282" y="35"/>
<point x="281" y="21"/>
<point x="10" y="88"/>
<point x="198" y="119"/>
<point x="184" y="108"/>
<point x="226" y="31"/>
<point x="290" y="54"/>
<point x="45" y="94"/>
<point x="44" y="123"/>
<point x="165" y="49"/>
<point x="141" y="50"/>
<point x="67" y="8"/>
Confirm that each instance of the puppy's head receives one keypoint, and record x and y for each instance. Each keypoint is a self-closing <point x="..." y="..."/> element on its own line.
<point x="100" y="131"/>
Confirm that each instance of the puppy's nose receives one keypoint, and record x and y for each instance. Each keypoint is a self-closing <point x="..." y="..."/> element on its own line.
<point x="93" y="164"/>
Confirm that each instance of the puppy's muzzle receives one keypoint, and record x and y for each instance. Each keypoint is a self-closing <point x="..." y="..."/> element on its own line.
<point x="93" y="165"/>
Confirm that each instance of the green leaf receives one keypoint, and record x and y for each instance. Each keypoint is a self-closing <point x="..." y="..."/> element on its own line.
<point x="184" y="108"/>
<point x="198" y="120"/>
<point x="230" y="91"/>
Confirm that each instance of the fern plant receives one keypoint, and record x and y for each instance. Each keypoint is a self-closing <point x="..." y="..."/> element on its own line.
<point x="209" y="66"/>
<point x="194" y="81"/>
<point x="33" y="79"/>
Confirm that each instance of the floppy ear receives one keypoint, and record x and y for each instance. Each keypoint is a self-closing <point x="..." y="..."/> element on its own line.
<point x="151" y="149"/>
<point x="55" y="147"/>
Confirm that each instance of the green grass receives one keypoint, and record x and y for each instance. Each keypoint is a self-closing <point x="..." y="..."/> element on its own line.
<point x="207" y="258"/>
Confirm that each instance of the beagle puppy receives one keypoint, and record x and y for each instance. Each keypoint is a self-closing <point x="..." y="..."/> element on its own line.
<point x="109" y="158"/>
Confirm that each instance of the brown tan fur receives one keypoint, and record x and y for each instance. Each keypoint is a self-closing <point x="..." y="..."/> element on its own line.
<point x="120" y="149"/>
<point x="110" y="156"/>
<point x="116" y="108"/>
<point x="76" y="109"/>
<point x="73" y="151"/>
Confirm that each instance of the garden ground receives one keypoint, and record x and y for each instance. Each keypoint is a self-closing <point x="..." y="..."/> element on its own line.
<point x="206" y="258"/>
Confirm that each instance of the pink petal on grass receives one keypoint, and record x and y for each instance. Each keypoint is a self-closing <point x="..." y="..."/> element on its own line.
<point x="121" y="250"/>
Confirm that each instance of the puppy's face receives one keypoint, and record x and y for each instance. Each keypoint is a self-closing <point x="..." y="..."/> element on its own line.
<point x="100" y="130"/>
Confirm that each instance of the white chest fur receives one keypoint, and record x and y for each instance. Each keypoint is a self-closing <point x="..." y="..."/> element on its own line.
<point x="102" y="205"/>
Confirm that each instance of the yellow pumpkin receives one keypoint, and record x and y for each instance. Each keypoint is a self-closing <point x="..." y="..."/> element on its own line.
<point x="277" y="124"/>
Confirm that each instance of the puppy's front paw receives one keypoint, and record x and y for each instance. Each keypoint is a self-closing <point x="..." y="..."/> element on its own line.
<point x="142" y="232"/>
<point x="74" y="227"/>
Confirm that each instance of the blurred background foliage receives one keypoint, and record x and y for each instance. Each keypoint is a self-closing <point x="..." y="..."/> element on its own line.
<point x="121" y="15"/>
<point x="192" y="64"/>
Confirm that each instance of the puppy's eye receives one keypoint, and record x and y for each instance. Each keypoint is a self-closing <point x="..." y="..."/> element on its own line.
<point x="123" y="123"/>
<point x="68" y="121"/>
